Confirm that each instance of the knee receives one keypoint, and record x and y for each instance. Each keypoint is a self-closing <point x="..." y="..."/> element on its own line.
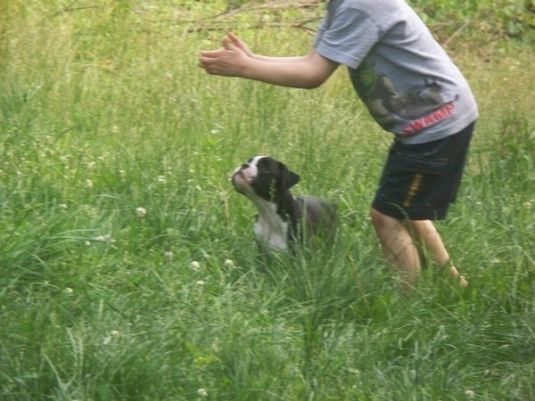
<point x="381" y="220"/>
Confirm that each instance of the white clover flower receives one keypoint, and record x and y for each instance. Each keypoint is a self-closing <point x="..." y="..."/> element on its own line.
<point x="69" y="290"/>
<point x="470" y="394"/>
<point x="202" y="392"/>
<point x="194" y="265"/>
<point x="168" y="255"/>
<point x="88" y="184"/>
<point x="528" y="205"/>
<point x="112" y="336"/>
<point x="104" y="238"/>
<point x="228" y="263"/>
<point x="141" y="212"/>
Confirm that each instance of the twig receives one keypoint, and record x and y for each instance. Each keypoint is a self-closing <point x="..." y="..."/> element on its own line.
<point x="214" y="22"/>
<point x="457" y="32"/>
<point x="67" y="9"/>
<point x="300" y="25"/>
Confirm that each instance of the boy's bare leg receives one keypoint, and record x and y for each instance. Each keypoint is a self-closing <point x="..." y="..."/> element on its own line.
<point x="426" y="233"/>
<point x="398" y="247"/>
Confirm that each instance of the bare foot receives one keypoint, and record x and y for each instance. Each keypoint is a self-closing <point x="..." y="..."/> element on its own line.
<point x="455" y="275"/>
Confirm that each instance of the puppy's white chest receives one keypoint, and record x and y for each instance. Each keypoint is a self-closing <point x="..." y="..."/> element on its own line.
<point x="272" y="232"/>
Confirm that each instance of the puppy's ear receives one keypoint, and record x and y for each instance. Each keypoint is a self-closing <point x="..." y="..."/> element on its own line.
<point x="288" y="177"/>
<point x="292" y="179"/>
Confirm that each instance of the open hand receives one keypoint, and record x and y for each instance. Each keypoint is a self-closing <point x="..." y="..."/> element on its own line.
<point x="230" y="60"/>
<point x="237" y="42"/>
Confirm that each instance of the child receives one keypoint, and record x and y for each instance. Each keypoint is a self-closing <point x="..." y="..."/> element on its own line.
<point x="411" y="88"/>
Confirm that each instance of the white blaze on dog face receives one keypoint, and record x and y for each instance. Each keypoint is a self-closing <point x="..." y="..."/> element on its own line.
<point x="244" y="175"/>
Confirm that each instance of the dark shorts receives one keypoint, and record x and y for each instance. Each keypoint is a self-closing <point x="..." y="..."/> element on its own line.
<point x="420" y="181"/>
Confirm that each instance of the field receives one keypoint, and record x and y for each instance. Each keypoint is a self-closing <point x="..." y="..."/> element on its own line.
<point x="128" y="269"/>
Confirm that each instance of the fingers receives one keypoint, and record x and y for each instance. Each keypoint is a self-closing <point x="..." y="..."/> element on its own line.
<point x="214" y="56"/>
<point x="208" y="64"/>
<point x="213" y="53"/>
<point x="228" y="44"/>
<point x="209" y="58"/>
<point x="218" y="62"/>
<point x="237" y="41"/>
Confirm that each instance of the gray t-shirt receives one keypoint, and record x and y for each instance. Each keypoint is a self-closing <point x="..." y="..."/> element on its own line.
<point x="407" y="81"/>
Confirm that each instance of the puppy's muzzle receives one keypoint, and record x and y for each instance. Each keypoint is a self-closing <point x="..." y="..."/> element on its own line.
<point x="239" y="181"/>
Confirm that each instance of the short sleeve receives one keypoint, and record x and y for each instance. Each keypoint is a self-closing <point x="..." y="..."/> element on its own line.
<point x="347" y="37"/>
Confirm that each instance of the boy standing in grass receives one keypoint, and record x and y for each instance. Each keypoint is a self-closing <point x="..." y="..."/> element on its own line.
<point x="411" y="88"/>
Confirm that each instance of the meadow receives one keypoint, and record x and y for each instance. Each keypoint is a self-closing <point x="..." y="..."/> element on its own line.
<point x="128" y="269"/>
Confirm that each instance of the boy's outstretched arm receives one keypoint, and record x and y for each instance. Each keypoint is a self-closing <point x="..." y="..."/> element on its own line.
<point x="236" y="41"/>
<point x="234" y="59"/>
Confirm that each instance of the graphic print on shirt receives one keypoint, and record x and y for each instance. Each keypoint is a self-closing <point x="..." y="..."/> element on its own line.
<point x="421" y="108"/>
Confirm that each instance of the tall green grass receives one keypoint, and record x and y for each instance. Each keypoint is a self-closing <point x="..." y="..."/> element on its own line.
<point x="128" y="269"/>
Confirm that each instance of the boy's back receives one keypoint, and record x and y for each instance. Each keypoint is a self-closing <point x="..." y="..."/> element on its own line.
<point x="408" y="82"/>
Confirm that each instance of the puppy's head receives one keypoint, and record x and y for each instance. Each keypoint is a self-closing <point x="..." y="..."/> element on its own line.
<point x="264" y="177"/>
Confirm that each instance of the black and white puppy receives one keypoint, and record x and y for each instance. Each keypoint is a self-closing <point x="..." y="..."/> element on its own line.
<point x="283" y="219"/>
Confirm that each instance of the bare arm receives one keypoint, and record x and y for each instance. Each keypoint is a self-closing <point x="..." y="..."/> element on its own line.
<point x="236" y="60"/>
<point x="232" y="39"/>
